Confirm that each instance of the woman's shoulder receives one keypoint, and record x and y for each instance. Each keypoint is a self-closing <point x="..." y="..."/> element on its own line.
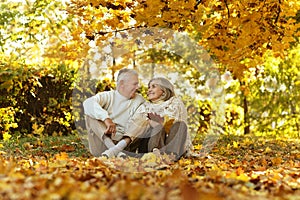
<point x="175" y="100"/>
<point x="176" y="103"/>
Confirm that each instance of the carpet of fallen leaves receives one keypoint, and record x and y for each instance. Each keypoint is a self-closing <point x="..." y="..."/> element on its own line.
<point x="240" y="168"/>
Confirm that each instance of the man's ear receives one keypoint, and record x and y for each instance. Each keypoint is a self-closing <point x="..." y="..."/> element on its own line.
<point x="121" y="83"/>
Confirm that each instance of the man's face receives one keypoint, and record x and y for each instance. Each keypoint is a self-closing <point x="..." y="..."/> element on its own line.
<point x="128" y="87"/>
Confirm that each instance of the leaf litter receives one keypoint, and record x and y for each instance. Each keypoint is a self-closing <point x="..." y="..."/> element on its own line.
<point x="236" y="169"/>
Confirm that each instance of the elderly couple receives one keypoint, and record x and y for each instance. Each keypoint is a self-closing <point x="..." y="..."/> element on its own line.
<point x="122" y="123"/>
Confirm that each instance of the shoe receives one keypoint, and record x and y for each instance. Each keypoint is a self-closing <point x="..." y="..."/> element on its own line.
<point x="156" y="151"/>
<point x="173" y="156"/>
<point x="108" y="154"/>
<point x="121" y="155"/>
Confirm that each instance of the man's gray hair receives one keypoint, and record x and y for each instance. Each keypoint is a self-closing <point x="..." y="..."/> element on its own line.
<point x="124" y="74"/>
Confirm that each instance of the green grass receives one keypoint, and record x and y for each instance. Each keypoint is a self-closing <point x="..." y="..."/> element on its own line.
<point x="45" y="146"/>
<point x="74" y="146"/>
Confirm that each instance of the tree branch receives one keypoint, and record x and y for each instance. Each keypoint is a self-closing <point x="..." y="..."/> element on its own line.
<point x="278" y="12"/>
<point x="228" y="11"/>
<point x="119" y="30"/>
<point x="92" y="37"/>
<point x="197" y="4"/>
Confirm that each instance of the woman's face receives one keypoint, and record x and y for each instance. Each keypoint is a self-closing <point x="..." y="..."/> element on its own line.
<point x="154" y="91"/>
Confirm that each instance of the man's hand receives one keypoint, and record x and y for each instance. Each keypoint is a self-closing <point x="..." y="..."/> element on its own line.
<point x="111" y="127"/>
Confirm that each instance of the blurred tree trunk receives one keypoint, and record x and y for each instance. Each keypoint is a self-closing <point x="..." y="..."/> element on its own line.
<point x="246" y="115"/>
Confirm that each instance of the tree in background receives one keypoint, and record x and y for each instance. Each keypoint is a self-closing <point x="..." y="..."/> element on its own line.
<point x="241" y="37"/>
<point x="237" y="34"/>
<point x="274" y="91"/>
<point x="35" y="78"/>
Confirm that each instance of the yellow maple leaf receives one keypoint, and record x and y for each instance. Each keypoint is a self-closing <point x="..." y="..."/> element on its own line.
<point x="149" y="157"/>
<point x="268" y="150"/>
<point x="62" y="156"/>
<point x="37" y="130"/>
<point x="6" y="136"/>
<point x="168" y="122"/>
<point x="235" y="144"/>
<point x="276" y="161"/>
<point x="243" y="177"/>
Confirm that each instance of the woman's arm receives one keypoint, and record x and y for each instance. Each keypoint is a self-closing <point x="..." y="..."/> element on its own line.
<point x="175" y="109"/>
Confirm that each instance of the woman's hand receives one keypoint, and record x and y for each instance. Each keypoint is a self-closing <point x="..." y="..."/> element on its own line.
<point x="156" y="117"/>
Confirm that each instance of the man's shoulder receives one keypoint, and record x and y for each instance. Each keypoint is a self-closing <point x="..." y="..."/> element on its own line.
<point x="108" y="93"/>
<point x="139" y="98"/>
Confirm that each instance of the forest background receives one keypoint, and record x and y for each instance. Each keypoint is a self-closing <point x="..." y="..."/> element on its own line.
<point x="243" y="104"/>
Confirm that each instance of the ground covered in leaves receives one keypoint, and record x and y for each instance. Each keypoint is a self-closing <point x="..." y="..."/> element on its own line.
<point x="237" y="168"/>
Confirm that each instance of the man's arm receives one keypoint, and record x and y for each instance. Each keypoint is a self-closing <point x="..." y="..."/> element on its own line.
<point x="93" y="106"/>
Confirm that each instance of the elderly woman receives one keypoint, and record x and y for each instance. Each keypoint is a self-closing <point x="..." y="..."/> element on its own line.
<point x="160" y="123"/>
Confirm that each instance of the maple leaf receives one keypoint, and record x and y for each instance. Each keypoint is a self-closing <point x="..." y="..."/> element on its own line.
<point x="6" y="136"/>
<point x="61" y="156"/>
<point x="168" y="122"/>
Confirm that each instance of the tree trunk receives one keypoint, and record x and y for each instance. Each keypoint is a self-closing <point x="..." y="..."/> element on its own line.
<point x="294" y="113"/>
<point x="246" y="116"/>
<point x="152" y="66"/>
<point x="133" y="61"/>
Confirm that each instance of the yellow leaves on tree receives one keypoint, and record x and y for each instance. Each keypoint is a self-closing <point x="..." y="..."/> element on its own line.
<point x="247" y="30"/>
<point x="38" y="129"/>
<point x="236" y="33"/>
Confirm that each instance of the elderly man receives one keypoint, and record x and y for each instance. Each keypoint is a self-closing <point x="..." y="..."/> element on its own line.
<point x="107" y="114"/>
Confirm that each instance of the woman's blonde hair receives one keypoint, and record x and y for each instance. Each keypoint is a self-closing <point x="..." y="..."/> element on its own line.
<point x="166" y="86"/>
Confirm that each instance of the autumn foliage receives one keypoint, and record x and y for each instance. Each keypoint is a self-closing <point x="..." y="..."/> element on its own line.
<point x="237" y="73"/>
